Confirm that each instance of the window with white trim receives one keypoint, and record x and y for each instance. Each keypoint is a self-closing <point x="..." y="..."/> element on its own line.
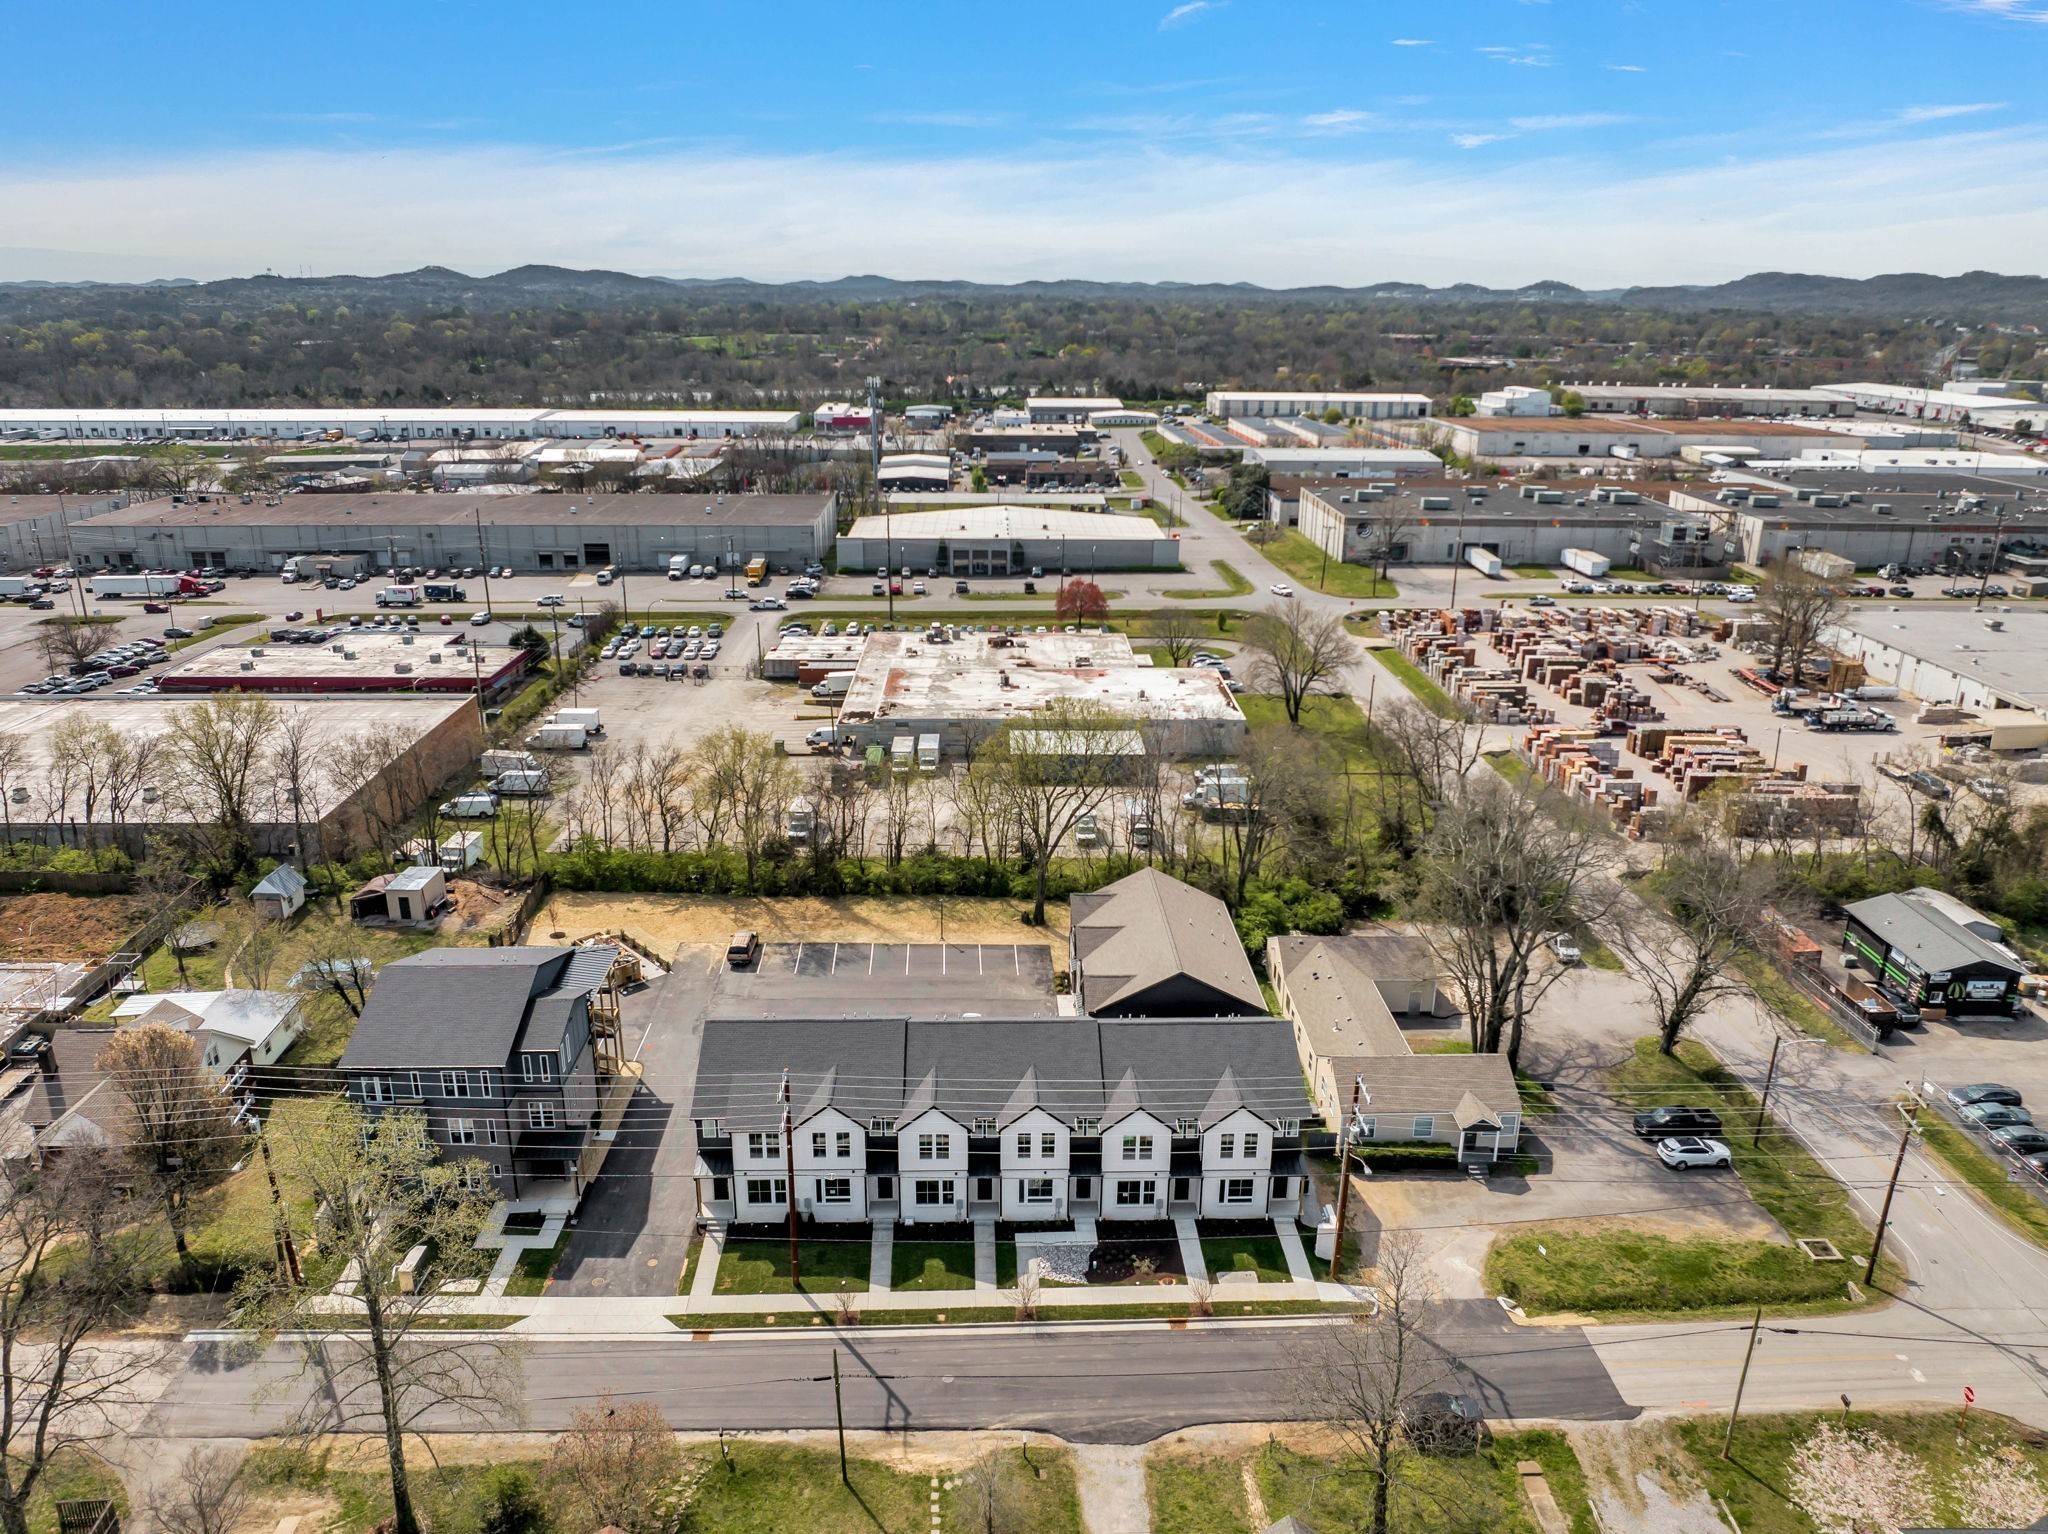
<point x="1137" y="1147"/>
<point x="843" y="1144"/>
<point x="540" y="1115"/>
<point x="767" y="1190"/>
<point x="1288" y="1128"/>
<point x="1187" y="1128"/>
<point x="1131" y="1192"/>
<point x="474" y="1176"/>
<point x="764" y="1144"/>
<point x="983" y="1128"/>
<point x="1048" y="1145"/>
<point x="537" y="1067"/>
<point x="377" y="1089"/>
<point x="1364" y="1127"/>
<point x="1024" y="1146"/>
<point x="462" y="1131"/>
<point x="1036" y="1190"/>
<point x="413" y="1083"/>
<point x="1425" y="1125"/>
<point x="1237" y="1190"/>
<point x="1226" y="1146"/>
<point x="1087" y="1126"/>
<point x="880" y="1126"/>
<point x="1251" y="1145"/>
<point x="818" y="1142"/>
<point x="934" y="1147"/>
<point x="455" y="1084"/>
<point x="932" y="1192"/>
<point x="835" y="1190"/>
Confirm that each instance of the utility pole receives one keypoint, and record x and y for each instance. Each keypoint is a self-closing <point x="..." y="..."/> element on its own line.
<point x="881" y="502"/>
<point x="1742" y="1381"/>
<point x="1884" y="1215"/>
<point x="1757" y="1135"/>
<point x="839" y="1412"/>
<point x="1344" y="1177"/>
<point x="483" y="552"/>
<point x="789" y="1175"/>
<point x="287" y="1250"/>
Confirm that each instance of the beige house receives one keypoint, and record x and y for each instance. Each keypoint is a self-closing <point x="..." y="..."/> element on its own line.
<point x="1340" y="996"/>
<point x="1150" y="946"/>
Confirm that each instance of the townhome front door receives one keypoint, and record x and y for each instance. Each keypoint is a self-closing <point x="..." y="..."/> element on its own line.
<point x="1182" y="1190"/>
<point x="984" y="1190"/>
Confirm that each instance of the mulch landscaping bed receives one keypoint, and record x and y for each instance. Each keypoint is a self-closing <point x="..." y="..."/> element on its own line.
<point x="961" y="1231"/>
<point x="1121" y="1259"/>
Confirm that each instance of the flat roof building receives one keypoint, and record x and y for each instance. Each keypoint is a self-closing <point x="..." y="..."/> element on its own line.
<point x="431" y="659"/>
<point x="1593" y="436"/>
<point x="1938" y="404"/>
<point x="967" y="689"/>
<point x="1225" y="403"/>
<point x="397" y="422"/>
<point x="1875" y="518"/>
<point x="1701" y="400"/>
<point x="529" y="532"/>
<point x="1347" y="462"/>
<point x="1989" y="661"/>
<point x="1043" y="408"/>
<point x="420" y="743"/>
<point x="33" y="528"/>
<point x="1007" y="540"/>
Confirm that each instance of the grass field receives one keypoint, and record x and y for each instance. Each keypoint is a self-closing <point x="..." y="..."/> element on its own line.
<point x="1260" y="1255"/>
<point x="1233" y="585"/>
<point x="762" y="1267"/>
<point x="1338" y="721"/>
<point x="1985" y="1173"/>
<point x="1308" y="564"/>
<point x="1791" y="1003"/>
<point x="1755" y="1481"/>
<point x="1433" y="697"/>
<point x="536" y="1266"/>
<point x="1612" y="1273"/>
<point x="922" y="1266"/>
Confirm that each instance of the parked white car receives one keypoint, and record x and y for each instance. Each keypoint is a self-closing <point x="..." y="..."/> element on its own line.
<point x="1562" y="946"/>
<point x="1689" y="1151"/>
<point x="1281" y="589"/>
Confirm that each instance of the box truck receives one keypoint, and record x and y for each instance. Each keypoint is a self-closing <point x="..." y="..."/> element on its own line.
<point x="399" y="596"/>
<point x="1485" y="561"/>
<point x="443" y="593"/>
<point x="902" y="751"/>
<point x="757" y="570"/>
<point x="521" y="783"/>
<point x="928" y="753"/>
<point x="559" y="737"/>
<point x="1587" y="563"/>
<point x="495" y="762"/>
<point x="584" y="718"/>
<point x="678" y="566"/>
<point x="833" y="687"/>
<point x="19" y="586"/>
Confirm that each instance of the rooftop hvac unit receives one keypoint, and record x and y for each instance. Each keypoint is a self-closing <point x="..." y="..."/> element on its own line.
<point x="255" y="651"/>
<point x="434" y="657"/>
<point x="150" y="795"/>
<point x="20" y="795"/>
<point x="348" y="655"/>
<point x="403" y="668"/>
<point x="248" y="665"/>
<point x="406" y="638"/>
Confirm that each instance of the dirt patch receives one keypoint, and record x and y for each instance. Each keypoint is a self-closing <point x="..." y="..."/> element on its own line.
<point x="1143" y="1259"/>
<point x="668" y="922"/>
<point x="71" y="928"/>
<point x="1633" y="1479"/>
<point x="479" y="908"/>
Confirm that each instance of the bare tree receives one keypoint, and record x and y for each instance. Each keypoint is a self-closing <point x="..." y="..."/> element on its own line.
<point x="746" y="783"/>
<point x="182" y="1133"/>
<point x="1685" y="955"/>
<point x="620" y="1467"/>
<point x="991" y="1500"/>
<point x="1422" y="758"/>
<point x="1364" y="1376"/>
<point x="15" y="757"/>
<point x="1385" y="532"/>
<point x="331" y="956"/>
<point x="381" y="1187"/>
<point x="296" y="770"/>
<point x="1178" y="632"/>
<point x="64" y="643"/>
<point x="61" y="1391"/>
<point x="1503" y="869"/>
<point x="1048" y="771"/>
<point x="1295" y="653"/>
<point x="1800" y="607"/>
<point x="206" y="1495"/>
<point x="216" y="750"/>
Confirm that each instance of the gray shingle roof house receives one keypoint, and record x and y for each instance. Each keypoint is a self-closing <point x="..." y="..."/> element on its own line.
<point x="1335" y="993"/>
<point x="495" y="1047"/>
<point x="1151" y="946"/>
<point x="1021" y="1119"/>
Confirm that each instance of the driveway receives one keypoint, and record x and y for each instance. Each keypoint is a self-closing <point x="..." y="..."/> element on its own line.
<point x="891" y="980"/>
<point x="634" y="1227"/>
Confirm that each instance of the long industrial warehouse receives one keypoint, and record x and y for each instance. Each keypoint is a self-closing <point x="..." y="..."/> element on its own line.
<point x="404" y="422"/>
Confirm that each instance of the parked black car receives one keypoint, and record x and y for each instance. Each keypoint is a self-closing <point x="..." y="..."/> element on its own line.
<point x="1441" y="1423"/>
<point x="2019" y="1139"/>
<point x="1984" y="1092"/>
<point x="1669" y="1122"/>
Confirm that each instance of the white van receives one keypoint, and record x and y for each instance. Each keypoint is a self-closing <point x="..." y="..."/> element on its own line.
<point x="471" y="807"/>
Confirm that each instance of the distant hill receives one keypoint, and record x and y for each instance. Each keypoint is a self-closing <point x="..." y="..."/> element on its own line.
<point x="1901" y="295"/>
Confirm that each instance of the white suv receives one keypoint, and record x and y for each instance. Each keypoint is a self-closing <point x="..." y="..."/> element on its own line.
<point x="1689" y="1151"/>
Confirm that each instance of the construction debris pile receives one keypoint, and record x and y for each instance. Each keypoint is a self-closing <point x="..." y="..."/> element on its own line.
<point x="1763" y="799"/>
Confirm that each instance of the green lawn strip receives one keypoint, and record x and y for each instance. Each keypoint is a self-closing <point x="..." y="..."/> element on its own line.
<point x="1988" y="1175"/>
<point x="1613" y="1273"/>
<point x="1598" y="955"/>
<point x="1234" y="584"/>
<point x="1433" y="697"/>
<point x="469" y="1323"/>
<point x="1791" y="1003"/>
<point x="1536" y="1098"/>
<point x="762" y="1267"/>
<point x="223" y="621"/>
<point x="984" y="1315"/>
<point x="1302" y="559"/>
<point x="1533" y="572"/>
<point x="1561" y="1469"/>
<point x="923" y="1265"/>
<point x="1197" y="1496"/>
<point x="72" y="1476"/>
<point x="536" y="1266"/>
<point x="1508" y="764"/>
<point x="1754" y="1481"/>
<point x="1436" y="1493"/>
<point x="1131" y="479"/>
<point x="1260" y="1255"/>
<point x="1337" y="721"/>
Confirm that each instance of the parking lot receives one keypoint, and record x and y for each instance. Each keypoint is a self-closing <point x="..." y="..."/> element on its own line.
<point x="891" y="980"/>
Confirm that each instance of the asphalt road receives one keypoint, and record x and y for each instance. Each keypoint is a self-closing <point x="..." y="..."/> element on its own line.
<point x="633" y="1227"/>
<point x="1086" y="1384"/>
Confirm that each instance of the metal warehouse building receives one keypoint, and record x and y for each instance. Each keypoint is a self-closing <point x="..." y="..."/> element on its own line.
<point x="1006" y="540"/>
<point x="1225" y="403"/>
<point x="34" y="528"/>
<point x="527" y="532"/>
<point x="422" y="742"/>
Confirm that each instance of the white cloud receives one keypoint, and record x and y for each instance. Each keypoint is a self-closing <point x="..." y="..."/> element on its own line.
<point x="1568" y="120"/>
<point x="2007" y="10"/>
<point x="1528" y="55"/>
<point x="1412" y="42"/>
<point x="1853" y="208"/>
<point x="1933" y="114"/>
<point x="1343" y="120"/>
<point x="1180" y="15"/>
<point x="1625" y="69"/>
<point x="1477" y="140"/>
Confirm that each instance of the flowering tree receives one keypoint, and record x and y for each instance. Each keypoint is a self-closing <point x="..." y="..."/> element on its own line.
<point x="1081" y="602"/>
<point x="1998" y="1489"/>
<point x="1855" y="1482"/>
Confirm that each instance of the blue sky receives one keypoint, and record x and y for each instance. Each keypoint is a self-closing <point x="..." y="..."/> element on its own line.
<point x="1275" y="141"/>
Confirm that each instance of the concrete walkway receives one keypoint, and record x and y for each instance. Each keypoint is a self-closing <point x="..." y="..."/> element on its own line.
<point x="984" y="1254"/>
<point x="1111" y="1480"/>
<point x="703" y="1282"/>
<point x="1290" y="1243"/>
<point x="1191" y="1260"/>
<point x="881" y="1260"/>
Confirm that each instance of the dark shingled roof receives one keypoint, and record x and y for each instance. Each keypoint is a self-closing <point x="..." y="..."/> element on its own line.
<point x="451" y="1007"/>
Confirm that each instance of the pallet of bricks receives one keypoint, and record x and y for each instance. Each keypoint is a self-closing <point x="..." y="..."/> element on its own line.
<point x="1578" y="762"/>
<point x="1443" y="649"/>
